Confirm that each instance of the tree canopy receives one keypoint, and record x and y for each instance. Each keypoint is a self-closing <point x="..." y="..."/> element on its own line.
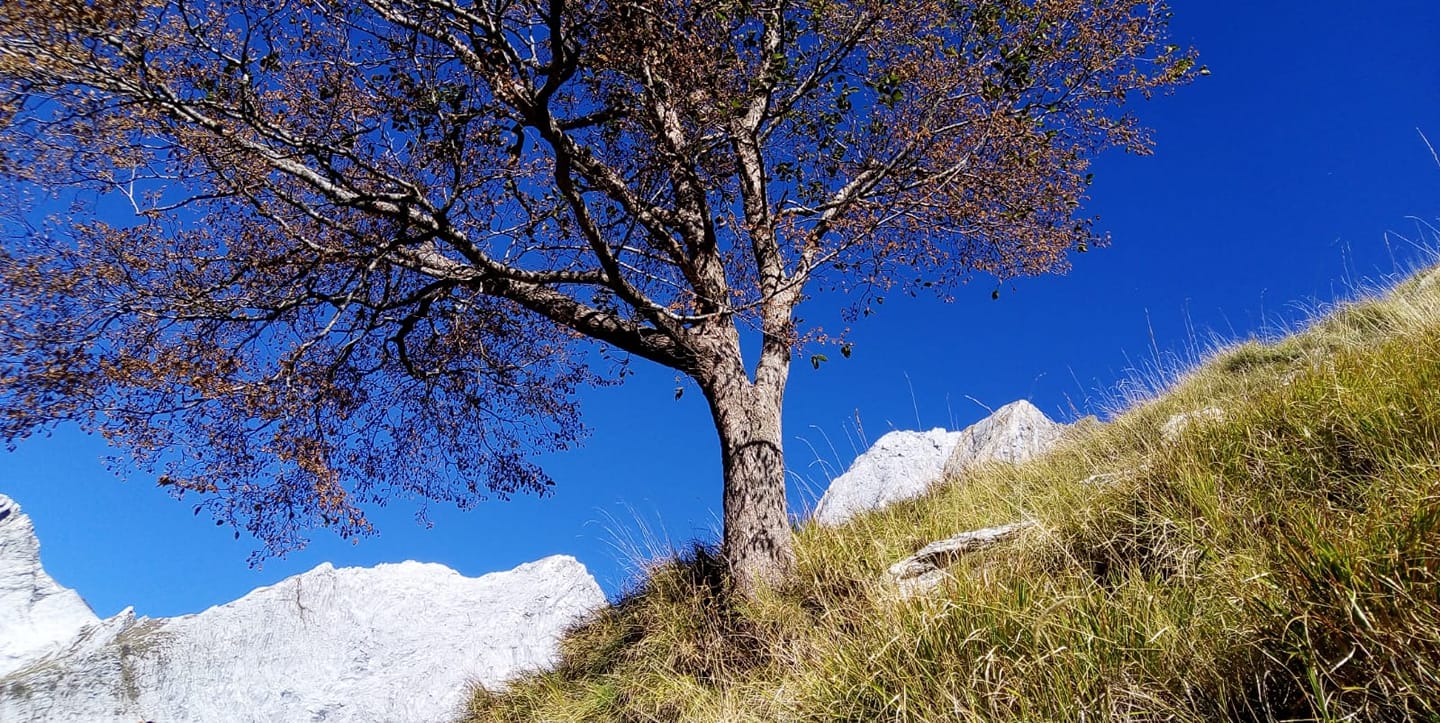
<point x="304" y="255"/>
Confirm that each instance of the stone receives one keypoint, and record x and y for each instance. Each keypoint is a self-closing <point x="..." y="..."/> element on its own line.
<point x="925" y="570"/>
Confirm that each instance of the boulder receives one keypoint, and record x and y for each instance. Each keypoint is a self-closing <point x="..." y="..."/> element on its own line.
<point x="924" y="570"/>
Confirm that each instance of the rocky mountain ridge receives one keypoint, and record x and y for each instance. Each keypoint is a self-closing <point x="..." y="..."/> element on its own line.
<point x="37" y="615"/>
<point x="903" y="464"/>
<point x="397" y="642"/>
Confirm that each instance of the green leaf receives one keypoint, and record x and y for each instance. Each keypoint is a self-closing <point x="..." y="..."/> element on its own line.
<point x="817" y="359"/>
<point x="845" y="350"/>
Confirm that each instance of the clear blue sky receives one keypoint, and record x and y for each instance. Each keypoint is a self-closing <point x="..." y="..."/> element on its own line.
<point x="1294" y="170"/>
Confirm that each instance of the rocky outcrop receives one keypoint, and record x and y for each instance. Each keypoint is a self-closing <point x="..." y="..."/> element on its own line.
<point x="37" y="615"/>
<point x="902" y="465"/>
<point x="394" y="642"/>
<point x="1015" y="433"/>
<point x="925" y="569"/>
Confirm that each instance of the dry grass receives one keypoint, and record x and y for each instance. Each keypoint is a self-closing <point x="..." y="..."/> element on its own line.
<point x="1279" y="563"/>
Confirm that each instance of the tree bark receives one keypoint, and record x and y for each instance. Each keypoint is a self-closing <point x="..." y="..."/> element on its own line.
<point x="757" y="540"/>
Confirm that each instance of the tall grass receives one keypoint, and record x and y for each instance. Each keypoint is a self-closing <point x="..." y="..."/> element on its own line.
<point x="1277" y="561"/>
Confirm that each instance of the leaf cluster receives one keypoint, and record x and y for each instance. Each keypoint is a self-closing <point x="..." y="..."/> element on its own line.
<point x="367" y="240"/>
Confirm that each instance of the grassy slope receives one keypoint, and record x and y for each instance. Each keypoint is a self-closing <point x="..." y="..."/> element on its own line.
<point x="1278" y="563"/>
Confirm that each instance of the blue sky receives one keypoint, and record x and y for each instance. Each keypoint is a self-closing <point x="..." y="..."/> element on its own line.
<point x="1290" y="174"/>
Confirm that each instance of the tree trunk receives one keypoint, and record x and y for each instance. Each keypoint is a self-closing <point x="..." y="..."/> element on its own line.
<point x="757" y="540"/>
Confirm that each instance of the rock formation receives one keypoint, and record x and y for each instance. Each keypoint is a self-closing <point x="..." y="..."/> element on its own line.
<point x="37" y="615"/>
<point x="924" y="570"/>
<point x="390" y="643"/>
<point x="902" y="465"/>
<point x="1015" y="433"/>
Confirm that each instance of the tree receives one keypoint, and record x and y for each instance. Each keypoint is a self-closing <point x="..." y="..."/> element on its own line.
<point x="371" y="240"/>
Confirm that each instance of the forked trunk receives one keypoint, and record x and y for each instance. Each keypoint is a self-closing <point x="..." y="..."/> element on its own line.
<point x="757" y="540"/>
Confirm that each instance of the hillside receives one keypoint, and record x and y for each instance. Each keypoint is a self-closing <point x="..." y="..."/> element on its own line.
<point x="1271" y="555"/>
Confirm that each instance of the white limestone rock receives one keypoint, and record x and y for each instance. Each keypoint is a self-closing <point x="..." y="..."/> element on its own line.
<point x="37" y="615"/>
<point x="1015" y="433"/>
<point x="397" y="642"/>
<point x="902" y="465"/>
<point x="925" y="570"/>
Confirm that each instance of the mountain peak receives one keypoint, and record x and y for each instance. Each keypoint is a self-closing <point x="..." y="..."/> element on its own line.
<point x="38" y="616"/>
<point x="398" y="641"/>
<point x="904" y="464"/>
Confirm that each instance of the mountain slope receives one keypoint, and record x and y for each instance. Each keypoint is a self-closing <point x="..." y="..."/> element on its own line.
<point x="1261" y="541"/>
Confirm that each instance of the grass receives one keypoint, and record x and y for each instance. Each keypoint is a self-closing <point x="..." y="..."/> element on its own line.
<point x="1279" y="561"/>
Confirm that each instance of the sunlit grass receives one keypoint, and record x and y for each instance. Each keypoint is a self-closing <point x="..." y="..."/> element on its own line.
<point x="1279" y="560"/>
